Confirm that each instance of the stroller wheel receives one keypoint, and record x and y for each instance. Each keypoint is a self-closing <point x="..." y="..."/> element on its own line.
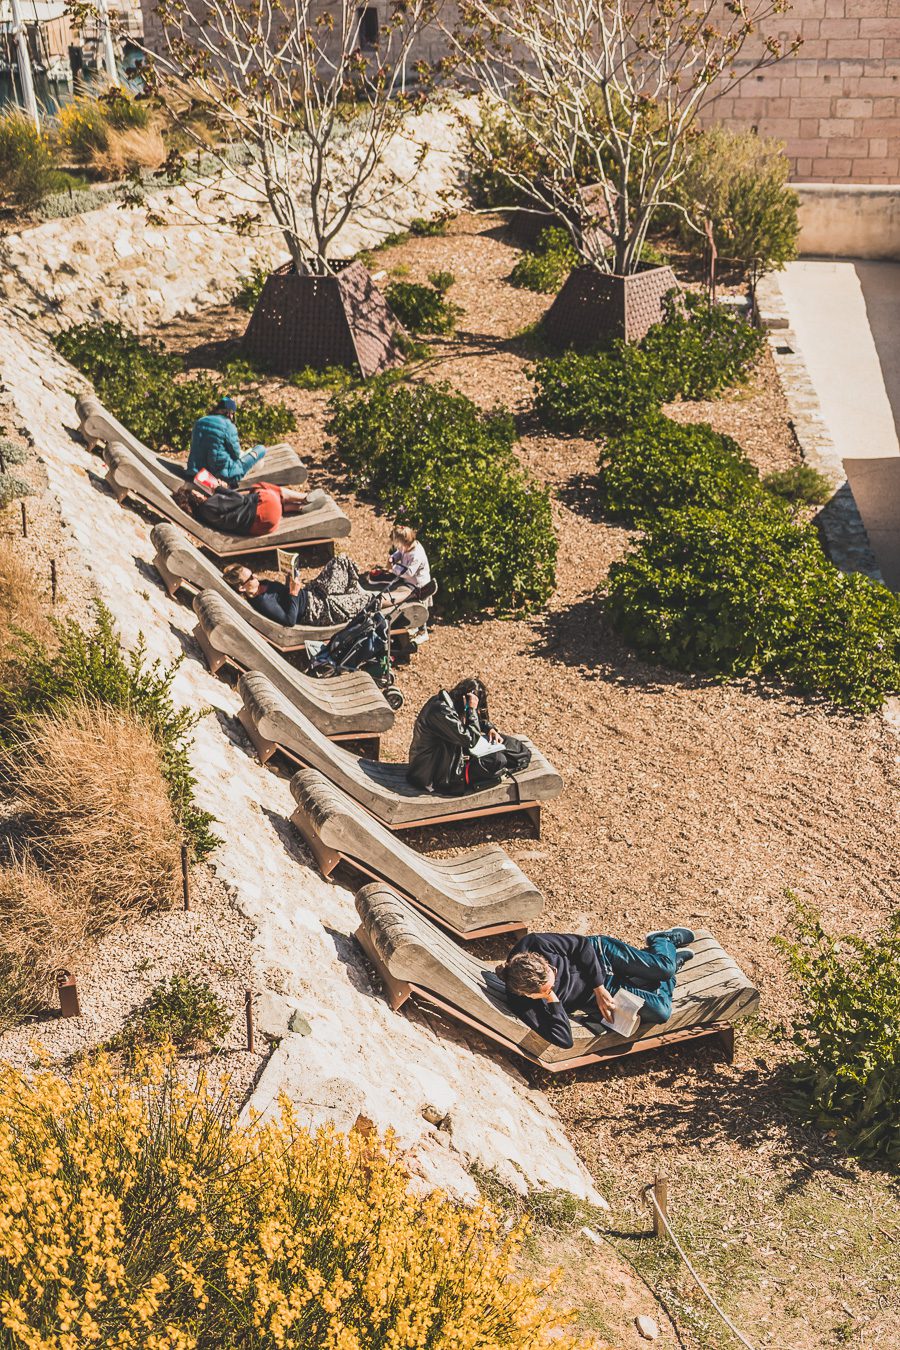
<point x="394" y="697"/>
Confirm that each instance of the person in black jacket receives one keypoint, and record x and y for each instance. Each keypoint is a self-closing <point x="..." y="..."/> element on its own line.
<point x="549" y="975"/>
<point x="447" y="728"/>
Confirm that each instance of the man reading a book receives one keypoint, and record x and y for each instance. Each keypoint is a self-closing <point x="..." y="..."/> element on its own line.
<point x="549" y="975"/>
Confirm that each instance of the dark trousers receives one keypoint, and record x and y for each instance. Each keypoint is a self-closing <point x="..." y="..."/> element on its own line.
<point x="649" y="973"/>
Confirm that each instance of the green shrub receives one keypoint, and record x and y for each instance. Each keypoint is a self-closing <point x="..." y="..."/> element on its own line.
<point x="182" y="1010"/>
<point x="250" y="288"/>
<point x="695" y="352"/>
<point x="82" y="128"/>
<point x="122" y="111"/>
<point x="137" y="381"/>
<point x="659" y="463"/>
<point x="424" y="309"/>
<point x="11" y="451"/>
<point x="12" y="487"/>
<point x="422" y="228"/>
<point x="739" y="182"/>
<point x="548" y="266"/>
<point x="331" y="377"/>
<point x="801" y="484"/>
<point x="848" y="1034"/>
<point x="434" y="459"/>
<point x="26" y="161"/>
<point x="90" y="665"/>
<point x="751" y="593"/>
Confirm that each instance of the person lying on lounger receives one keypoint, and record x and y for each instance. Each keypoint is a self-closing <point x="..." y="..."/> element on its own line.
<point x="334" y="596"/>
<point x="549" y="975"/>
<point x="455" y="746"/>
<point x="253" y="510"/>
<point x="216" y="446"/>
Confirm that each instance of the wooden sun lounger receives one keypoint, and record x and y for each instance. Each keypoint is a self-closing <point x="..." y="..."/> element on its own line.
<point x="179" y="563"/>
<point x="347" y="707"/>
<point x="416" y="959"/>
<point x="272" y="723"/>
<point x="128" y="476"/>
<point x="280" y="464"/>
<point x="477" y="894"/>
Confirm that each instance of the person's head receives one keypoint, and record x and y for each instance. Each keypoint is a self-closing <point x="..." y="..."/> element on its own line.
<point x="226" y="407"/>
<point x="403" y="537"/>
<point x="528" y="974"/>
<point x="188" y="498"/>
<point x="470" y="685"/>
<point x="241" y="579"/>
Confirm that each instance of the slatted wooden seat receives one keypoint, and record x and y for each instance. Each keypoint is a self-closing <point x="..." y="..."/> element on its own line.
<point x="272" y="723"/>
<point x="179" y="563"/>
<point x="280" y="464"/>
<point x="474" y="895"/>
<point x="345" y="707"/>
<point x="128" y="476"/>
<point x="416" y="959"/>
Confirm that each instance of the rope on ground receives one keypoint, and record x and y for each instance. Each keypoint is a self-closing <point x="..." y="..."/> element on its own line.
<point x="648" y="1191"/>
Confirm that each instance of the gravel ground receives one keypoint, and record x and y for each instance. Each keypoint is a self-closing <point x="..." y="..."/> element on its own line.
<point x="685" y="800"/>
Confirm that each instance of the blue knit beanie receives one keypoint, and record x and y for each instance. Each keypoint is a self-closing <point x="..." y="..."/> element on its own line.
<point x="227" y="405"/>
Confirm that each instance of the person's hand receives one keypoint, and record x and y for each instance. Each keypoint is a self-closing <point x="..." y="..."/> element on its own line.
<point x="293" y="583"/>
<point x="494" y="737"/>
<point x="604" y="1001"/>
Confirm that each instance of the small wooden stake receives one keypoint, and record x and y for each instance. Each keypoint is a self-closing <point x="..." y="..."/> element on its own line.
<point x="185" y="876"/>
<point x="53" y="581"/>
<point x="2" y="463"/>
<point x="661" y="1196"/>
<point x="69" y="1005"/>
<point x="24" y="521"/>
<point x="248" y="1008"/>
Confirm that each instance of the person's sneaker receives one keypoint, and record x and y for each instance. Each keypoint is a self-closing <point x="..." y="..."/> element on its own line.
<point x="682" y="958"/>
<point x="682" y="937"/>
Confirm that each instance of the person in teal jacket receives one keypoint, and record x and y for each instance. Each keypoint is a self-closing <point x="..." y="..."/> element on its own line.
<point x="215" y="445"/>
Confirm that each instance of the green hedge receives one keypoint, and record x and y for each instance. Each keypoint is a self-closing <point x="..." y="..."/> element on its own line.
<point x="424" y="309"/>
<point x="662" y="464"/>
<point x="143" y="386"/>
<point x="698" y="350"/>
<point x="547" y="267"/>
<point x="432" y="458"/>
<point x="751" y="593"/>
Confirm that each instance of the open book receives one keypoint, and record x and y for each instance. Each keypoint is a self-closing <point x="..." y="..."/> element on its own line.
<point x="287" y="562"/>
<point x="626" y="1014"/>
<point x="484" y="747"/>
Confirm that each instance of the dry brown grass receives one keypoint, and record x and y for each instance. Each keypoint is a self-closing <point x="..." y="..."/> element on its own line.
<point x="23" y="606"/>
<point x="44" y="930"/>
<point x="135" y="148"/>
<point x="95" y="808"/>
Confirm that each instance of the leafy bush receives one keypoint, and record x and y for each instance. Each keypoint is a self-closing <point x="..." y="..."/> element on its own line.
<point x="739" y="182"/>
<point x="12" y="487"/>
<point x="250" y="288"/>
<point x="90" y="665"/>
<point x="751" y="592"/>
<point x="26" y="161"/>
<point x="548" y="266"/>
<point x="182" y="1011"/>
<point x="849" y="1077"/>
<point x="435" y="460"/>
<point x="424" y="309"/>
<point x="137" y="380"/>
<point x="11" y="451"/>
<point x="82" y="129"/>
<point x="695" y="352"/>
<point x="421" y="227"/>
<point x="801" y="484"/>
<point x="171" y="1224"/>
<point x="123" y="112"/>
<point x="659" y="463"/>
<point x="330" y="377"/>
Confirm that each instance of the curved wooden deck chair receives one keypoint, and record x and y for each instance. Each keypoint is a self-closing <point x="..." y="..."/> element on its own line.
<point x="179" y="563"/>
<point x="348" y="707"/>
<point x="272" y="723"/>
<point x="280" y="465"/>
<point x="474" y="895"/>
<point x="321" y="524"/>
<point x="416" y="959"/>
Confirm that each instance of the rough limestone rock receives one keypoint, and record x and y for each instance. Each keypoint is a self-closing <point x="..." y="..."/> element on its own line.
<point x="359" y="1058"/>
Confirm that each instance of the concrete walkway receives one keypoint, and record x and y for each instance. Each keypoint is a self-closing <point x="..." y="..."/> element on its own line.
<point x="846" y="317"/>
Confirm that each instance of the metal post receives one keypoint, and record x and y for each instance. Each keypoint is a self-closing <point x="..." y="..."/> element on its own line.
<point x="661" y="1196"/>
<point x="185" y="876"/>
<point x="24" y="521"/>
<point x="248" y="1008"/>
<point x="69" y="1005"/>
<point x="109" y="51"/>
<point x="53" y="581"/>
<point x="2" y="463"/>
<point x="23" y="61"/>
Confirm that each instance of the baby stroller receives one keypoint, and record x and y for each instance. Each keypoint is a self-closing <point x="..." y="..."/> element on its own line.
<point x="364" y="644"/>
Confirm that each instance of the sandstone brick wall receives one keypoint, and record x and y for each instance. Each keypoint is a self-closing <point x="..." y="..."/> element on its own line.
<point x="836" y="103"/>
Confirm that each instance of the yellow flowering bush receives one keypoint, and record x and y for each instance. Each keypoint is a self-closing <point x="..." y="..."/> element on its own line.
<point x="137" y="1214"/>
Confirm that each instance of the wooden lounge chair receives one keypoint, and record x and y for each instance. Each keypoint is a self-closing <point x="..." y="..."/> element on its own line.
<point x="321" y="524"/>
<point x="280" y="464"/>
<point x="179" y="563"/>
<point x="347" y="707"/>
<point x="415" y="958"/>
<point x="272" y="723"/>
<point x="474" y="895"/>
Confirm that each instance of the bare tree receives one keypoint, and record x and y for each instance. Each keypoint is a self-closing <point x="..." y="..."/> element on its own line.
<point x="607" y="92"/>
<point x="302" y="100"/>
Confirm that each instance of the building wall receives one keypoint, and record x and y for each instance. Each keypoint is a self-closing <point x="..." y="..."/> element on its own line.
<point x="836" y="103"/>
